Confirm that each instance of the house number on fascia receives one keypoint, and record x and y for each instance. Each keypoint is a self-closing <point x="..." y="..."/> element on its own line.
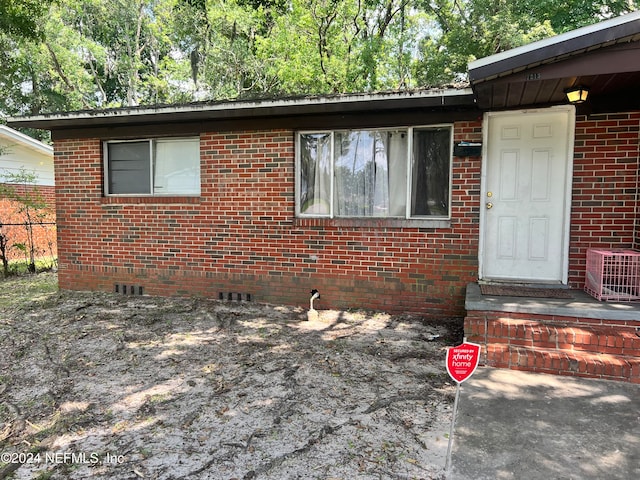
<point x="533" y="76"/>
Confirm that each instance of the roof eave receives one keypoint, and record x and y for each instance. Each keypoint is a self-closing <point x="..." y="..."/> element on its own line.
<point x="314" y="105"/>
<point x="25" y="141"/>
<point x="615" y="30"/>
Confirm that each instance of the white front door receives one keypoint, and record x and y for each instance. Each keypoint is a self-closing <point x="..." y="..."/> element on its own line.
<point x="526" y="195"/>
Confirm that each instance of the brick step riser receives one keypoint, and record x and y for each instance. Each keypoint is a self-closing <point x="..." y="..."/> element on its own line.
<point x="560" y="345"/>
<point x="556" y="362"/>
<point x="613" y="340"/>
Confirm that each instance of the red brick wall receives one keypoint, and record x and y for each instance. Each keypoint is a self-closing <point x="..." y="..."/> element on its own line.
<point x="44" y="235"/>
<point x="605" y="206"/>
<point x="576" y="346"/>
<point x="241" y="235"/>
<point x="46" y="193"/>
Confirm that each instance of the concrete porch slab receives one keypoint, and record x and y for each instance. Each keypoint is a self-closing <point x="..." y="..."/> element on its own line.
<point x="579" y="305"/>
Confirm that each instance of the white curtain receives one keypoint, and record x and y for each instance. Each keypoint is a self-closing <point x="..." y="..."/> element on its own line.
<point x="177" y="167"/>
<point x="370" y="173"/>
<point x="398" y="151"/>
<point x="315" y="174"/>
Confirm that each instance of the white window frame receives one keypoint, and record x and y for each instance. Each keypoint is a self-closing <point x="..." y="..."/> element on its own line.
<point x="409" y="177"/>
<point x="150" y="140"/>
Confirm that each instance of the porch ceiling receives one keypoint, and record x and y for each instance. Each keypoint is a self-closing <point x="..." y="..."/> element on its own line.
<point x="605" y="58"/>
<point x="611" y="75"/>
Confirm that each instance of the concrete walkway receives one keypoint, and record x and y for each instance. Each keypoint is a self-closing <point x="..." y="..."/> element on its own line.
<point x="525" y="426"/>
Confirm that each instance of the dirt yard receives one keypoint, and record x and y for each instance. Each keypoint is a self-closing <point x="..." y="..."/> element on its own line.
<point x="96" y="385"/>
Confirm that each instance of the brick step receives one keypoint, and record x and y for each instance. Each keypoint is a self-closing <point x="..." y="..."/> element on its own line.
<point x="611" y="339"/>
<point x="563" y="362"/>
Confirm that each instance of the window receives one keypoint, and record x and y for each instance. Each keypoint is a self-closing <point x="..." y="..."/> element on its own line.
<point x="388" y="173"/>
<point x="153" y="167"/>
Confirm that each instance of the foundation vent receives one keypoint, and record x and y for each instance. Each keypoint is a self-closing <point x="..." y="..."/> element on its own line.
<point x="126" y="289"/>
<point x="234" y="296"/>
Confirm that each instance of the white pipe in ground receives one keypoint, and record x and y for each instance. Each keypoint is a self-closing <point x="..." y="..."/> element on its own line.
<point x="312" y="314"/>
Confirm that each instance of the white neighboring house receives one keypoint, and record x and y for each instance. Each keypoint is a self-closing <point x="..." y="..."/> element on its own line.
<point x="18" y="150"/>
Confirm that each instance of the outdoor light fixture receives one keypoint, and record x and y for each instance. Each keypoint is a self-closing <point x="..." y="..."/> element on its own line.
<point x="577" y="94"/>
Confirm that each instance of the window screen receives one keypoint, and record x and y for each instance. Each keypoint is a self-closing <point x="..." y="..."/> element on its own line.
<point x="153" y="167"/>
<point x="430" y="172"/>
<point x="129" y="168"/>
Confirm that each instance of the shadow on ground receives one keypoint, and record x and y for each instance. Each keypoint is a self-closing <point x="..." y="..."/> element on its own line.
<point x="111" y="387"/>
<point x="524" y="426"/>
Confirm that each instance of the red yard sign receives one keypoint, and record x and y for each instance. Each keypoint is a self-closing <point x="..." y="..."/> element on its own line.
<point x="463" y="360"/>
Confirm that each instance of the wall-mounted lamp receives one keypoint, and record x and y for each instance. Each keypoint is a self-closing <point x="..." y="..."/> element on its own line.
<point x="577" y="94"/>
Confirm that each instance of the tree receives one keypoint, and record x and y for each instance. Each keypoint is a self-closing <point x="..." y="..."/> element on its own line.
<point x="31" y="207"/>
<point x="571" y="14"/>
<point x="80" y="54"/>
<point x="218" y="39"/>
<point x="123" y="47"/>
<point x="465" y="30"/>
<point x="328" y="46"/>
<point x="22" y="17"/>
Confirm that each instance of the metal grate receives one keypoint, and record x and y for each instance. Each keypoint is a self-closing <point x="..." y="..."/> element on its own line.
<point x="230" y="296"/>
<point x="613" y="275"/>
<point x="126" y="289"/>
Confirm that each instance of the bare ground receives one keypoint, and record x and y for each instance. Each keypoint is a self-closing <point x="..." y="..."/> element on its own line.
<point x="96" y="385"/>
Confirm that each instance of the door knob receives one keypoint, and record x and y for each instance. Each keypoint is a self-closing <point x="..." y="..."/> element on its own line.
<point x="489" y="205"/>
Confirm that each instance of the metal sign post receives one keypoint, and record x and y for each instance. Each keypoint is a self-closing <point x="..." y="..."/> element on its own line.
<point x="461" y="362"/>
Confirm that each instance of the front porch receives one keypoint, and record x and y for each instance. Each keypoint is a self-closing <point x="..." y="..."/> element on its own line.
<point x="578" y="336"/>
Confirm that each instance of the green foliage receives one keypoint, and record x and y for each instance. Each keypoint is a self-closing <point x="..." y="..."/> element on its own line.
<point x="20" y="291"/>
<point x="466" y="30"/>
<point x="78" y="54"/>
<point x="22" y="17"/>
<point x="30" y="198"/>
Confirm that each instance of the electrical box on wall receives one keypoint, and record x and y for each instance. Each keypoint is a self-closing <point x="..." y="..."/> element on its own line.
<point x="467" y="149"/>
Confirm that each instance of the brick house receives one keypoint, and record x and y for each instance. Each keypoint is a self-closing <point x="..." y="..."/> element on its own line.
<point x="21" y="152"/>
<point x="595" y="204"/>
<point x="225" y="220"/>
<point x="399" y="201"/>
